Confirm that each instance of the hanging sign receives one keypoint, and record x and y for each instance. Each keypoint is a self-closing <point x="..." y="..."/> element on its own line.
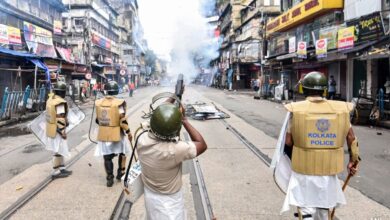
<point x="292" y="45"/>
<point x="14" y="35"/>
<point x="346" y="37"/>
<point x="302" y="50"/>
<point x="321" y="48"/>
<point x="330" y="33"/>
<point x="57" y="27"/>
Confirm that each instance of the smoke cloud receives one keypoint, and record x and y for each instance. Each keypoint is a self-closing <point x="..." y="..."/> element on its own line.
<point x="190" y="38"/>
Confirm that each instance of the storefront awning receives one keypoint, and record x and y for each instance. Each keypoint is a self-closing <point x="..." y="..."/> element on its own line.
<point x="287" y="56"/>
<point x="358" y="48"/>
<point x="17" y="53"/>
<point x="100" y="65"/>
<point x="41" y="65"/>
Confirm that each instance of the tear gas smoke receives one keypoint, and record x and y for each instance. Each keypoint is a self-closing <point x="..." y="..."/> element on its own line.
<point x="179" y="32"/>
<point x="193" y="41"/>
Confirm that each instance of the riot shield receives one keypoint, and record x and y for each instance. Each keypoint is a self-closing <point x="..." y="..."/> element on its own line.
<point x="280" y="161"/>
<point x="74" y="117"/>
<point x="93" y="126"/>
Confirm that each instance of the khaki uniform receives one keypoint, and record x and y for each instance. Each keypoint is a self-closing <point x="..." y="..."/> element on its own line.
<point x="161" y="165"/>
<point x="56" y="123"/>
<point x="111" y="134"/>
<point x="318" y="128"/>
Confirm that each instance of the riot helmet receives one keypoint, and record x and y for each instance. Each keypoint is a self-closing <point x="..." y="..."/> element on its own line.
<point x="111" y="88"/>
<point x="165" y="121"/>
<point x="314" y="83"/>
<point x="60" y="89"/>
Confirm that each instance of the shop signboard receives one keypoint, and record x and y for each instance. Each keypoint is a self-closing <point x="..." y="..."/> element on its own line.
<point x="9" y="35"/>
<point x="57" y="27"/>
<point x="330" y="34"/>
<point x="292" y="45"/>
<point x="346" y="37"/>
<point x="101" y="41"/>
<point x="302" y="50"/>
<point x="14" y="35"/>
<point x="300" y="13"/>
<point x="321" y="48"/>
<point x="3" y="34"/>
<point x="369" y="27"/>
<point x="39" y="40"/>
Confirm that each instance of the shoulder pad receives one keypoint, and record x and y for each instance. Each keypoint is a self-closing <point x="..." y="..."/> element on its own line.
<point x="340" y="105"/>
<point x="289" y="107"/>
<point x="350" y="106"/>
<point x="118" y="102"/>
<point x="297" y="106"/>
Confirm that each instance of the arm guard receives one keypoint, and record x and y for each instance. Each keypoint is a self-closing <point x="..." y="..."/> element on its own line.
<point x="124" y="125"/>
<point x="354" y="151"/>
<point x="61" y="125"/>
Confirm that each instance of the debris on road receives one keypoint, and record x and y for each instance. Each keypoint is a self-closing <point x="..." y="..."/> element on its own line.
<point x="203" y="111"/>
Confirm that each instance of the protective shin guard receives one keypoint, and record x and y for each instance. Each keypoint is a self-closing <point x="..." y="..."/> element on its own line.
<point x="109" y="167"/>
<point x="121" y="166"/>
<point x="58" y="161"/>
<point x="305" y="213"/>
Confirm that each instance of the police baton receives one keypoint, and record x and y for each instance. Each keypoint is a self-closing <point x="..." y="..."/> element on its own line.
<point x="345" y="186"/>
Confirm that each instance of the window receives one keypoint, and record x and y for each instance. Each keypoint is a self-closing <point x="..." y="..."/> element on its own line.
<point x="24" y="5"/>
<point x="78" y="21"/>
<point x="277" y="2"/>
<point x="267" y="2"/>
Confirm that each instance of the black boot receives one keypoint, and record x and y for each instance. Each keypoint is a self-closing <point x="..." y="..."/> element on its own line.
<point x="109" y="167"/>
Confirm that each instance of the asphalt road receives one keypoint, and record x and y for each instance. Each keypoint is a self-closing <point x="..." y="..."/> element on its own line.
<point x="373" y="180"/>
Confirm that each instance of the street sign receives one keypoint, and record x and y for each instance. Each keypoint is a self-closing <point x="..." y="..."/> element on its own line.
<point x="88" y="76"/>
<point x="122" y="72"/>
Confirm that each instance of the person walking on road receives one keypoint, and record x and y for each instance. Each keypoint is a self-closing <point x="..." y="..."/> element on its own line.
<point x="161" y="154"/>
<point x="131" y="89"/>
<point x="113" y="127"/>
<point x="331" y="88"/>
<point x="56" y="123"/>
<point x="315" y="137"/>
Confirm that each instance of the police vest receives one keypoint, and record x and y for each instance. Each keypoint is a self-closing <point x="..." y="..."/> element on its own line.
<point x="107" y="113"/>
<point x="319" y="129"/>
<point x="51" y="114"/>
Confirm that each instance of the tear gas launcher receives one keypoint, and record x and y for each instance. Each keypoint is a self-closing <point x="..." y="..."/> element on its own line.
<point x="179" y="89"/>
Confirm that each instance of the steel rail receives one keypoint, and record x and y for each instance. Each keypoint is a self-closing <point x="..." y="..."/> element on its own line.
<point x="263" y="157"/>
<point x="6" y="214"/>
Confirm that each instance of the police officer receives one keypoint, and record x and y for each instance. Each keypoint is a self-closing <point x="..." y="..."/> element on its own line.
<point x="113" y="127"/>
<point x="161" y="154"/>
<point x="56" y="123"/>
<point x="316" y="134"/>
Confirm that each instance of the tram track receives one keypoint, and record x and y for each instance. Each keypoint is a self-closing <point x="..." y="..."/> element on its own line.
<point x="28" y="196"/>
<point x="256" y="151"/>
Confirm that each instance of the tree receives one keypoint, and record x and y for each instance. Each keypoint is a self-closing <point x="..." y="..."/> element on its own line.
<point x="150" y="60"/>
